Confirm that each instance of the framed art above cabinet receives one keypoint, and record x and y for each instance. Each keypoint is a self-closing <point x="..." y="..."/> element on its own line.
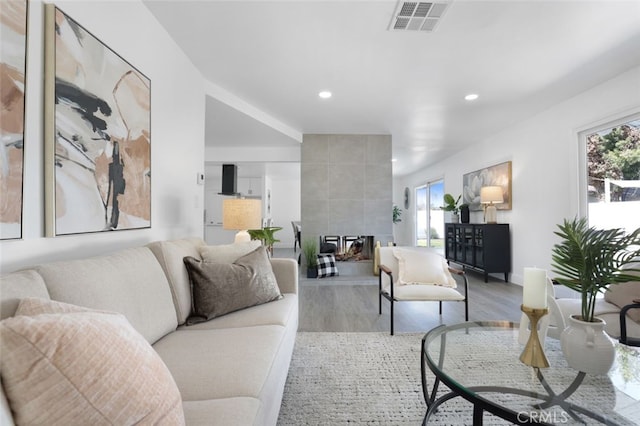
<point x="497" y="175"/>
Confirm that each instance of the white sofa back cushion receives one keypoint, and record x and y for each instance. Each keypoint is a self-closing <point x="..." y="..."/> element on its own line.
<point x="170" y="254"/>
<point x="129" y="281"/>
<point x="18" y="285"/>
<point x="227" y="253"/>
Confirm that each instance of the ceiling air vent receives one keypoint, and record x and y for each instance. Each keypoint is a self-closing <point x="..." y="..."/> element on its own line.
<point x="417" y="16"/>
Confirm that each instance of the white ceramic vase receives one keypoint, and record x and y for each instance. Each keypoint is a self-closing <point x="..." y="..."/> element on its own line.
<point x="455" y="218"/>
<point x="586" y="346"/>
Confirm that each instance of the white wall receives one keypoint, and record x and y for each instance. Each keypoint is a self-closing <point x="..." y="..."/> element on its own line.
<point x="285" y="207"/>
<point x="544" y="152"/>
<point x="177" y="134"/>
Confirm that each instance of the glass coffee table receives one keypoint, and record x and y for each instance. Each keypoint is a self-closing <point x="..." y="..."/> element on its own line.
<point x="479" y="361"/>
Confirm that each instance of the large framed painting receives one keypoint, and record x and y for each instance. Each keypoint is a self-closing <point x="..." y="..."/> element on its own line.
<point x="498" y="175"/>
<point x="98" y="134"/>
<point x="13" y="60"/>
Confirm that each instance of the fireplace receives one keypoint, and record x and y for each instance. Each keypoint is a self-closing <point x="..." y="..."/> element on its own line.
<point x="348" y="248"/>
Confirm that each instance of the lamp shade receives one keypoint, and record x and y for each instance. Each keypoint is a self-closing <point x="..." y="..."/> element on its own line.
<point x="491" y="194"/>
<point x="240" y="214"/>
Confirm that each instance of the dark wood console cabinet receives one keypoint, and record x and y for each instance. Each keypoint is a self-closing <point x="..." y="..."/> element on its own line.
<point x="484" y="247"/>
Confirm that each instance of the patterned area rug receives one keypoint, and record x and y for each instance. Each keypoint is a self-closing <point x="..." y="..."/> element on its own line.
<point x="374" y="379"/>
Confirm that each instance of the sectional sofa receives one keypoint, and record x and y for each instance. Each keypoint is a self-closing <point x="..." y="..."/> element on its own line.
<point x="229" y="371"/>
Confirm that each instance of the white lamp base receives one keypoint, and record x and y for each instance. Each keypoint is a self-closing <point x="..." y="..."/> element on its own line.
<point x="491" y="214"/>
<point x="242" y="237"/>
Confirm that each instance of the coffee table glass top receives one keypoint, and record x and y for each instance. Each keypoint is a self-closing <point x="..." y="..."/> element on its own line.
<point x="480" y="362"/>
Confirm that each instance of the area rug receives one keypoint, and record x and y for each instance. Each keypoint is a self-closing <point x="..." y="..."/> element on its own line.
<point x="374" y="379"/>
<point x="358" y="379"/>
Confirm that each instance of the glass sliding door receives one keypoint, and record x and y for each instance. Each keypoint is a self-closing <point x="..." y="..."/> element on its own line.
<point x="429" y="228"/>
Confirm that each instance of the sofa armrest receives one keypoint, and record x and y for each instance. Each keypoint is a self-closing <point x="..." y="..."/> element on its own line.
<point x="286" y="272"/>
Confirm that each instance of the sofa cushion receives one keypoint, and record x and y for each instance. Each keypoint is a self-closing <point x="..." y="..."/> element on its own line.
<point x="327" y="265"/>
<point x="18" y="285"/>
<point x="239" y="411"/>
<point x="279" y="312"/>
<point x="227" y="253"/>
<point x="422" y="267"/>
<point x="426" y="292"/>
<point x="624" y="294"/>
<point x="129" y="281"/>
<point x="170" y="255"/>
<point x="63" y="364"/>
<point x="243" y="359"/>
<point x="220" y="288"/>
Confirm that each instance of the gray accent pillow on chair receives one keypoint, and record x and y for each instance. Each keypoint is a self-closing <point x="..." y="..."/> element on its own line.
<point x="220" y="288"/>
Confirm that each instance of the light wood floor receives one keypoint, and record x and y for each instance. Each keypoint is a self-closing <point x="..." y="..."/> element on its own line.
<point x="351" y="304"/>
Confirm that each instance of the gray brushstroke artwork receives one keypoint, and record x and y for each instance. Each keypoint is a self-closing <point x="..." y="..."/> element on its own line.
<point x="102" y="136"/>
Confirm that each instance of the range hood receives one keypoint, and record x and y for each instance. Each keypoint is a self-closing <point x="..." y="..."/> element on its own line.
<point x="229" y="179"/>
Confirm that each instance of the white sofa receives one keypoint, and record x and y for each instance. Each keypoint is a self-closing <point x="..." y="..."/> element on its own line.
<point x="229" y="371"/>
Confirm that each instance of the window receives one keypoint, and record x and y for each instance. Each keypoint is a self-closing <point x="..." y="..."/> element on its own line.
<point x="611" y="190"/>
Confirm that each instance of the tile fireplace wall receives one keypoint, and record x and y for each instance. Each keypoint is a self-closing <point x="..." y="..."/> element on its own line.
<point x="346" y="186"/>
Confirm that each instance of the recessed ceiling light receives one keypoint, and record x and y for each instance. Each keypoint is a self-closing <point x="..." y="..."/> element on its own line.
<point x="471" y="97"/>
<point x="325" y="94"/>
<point x="393" y="160"/>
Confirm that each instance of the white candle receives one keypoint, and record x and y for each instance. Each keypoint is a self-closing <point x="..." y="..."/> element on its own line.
<point x="535" y="288"/>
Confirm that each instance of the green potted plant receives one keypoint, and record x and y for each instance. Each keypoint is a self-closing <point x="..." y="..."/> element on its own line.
<point x="266" y="235"/>
<point x="589" y="260"/>
<point x="310" y="250"/>
<point x="397" y="213"/>
<point x="451" y="205"/>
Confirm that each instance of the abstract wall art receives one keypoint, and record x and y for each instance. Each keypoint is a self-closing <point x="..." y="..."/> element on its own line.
<point x="13" y="54"/>
<point x="498" y="175"/>
<point x="98" y="129"/>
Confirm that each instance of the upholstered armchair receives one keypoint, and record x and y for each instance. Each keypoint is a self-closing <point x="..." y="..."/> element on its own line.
<point x="418" y="274"/>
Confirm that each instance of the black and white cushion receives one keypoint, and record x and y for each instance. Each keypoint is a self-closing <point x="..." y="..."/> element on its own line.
<point x="327" y="265"/>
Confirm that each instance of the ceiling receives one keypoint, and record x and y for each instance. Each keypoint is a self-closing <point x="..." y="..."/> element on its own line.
<point x="521" y="57"/>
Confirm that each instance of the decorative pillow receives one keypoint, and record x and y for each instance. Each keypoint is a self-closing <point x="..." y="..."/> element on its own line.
<point x="327" y="265"/>
<point x="221" y="288"/>
<point x="422" y="267"/>
<point x="63" y="364"/>
<point x="227" y="253"/>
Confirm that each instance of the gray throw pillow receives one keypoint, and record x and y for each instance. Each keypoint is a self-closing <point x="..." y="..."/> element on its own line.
<point x="220" y="288"/>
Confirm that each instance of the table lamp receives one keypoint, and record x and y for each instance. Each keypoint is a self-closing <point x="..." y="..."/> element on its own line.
<point x="488" y="196"/>
<point x="241" y="214"/>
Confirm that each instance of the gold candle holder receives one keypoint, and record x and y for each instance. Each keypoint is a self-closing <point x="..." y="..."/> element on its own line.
<point x="533" y="353"/>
